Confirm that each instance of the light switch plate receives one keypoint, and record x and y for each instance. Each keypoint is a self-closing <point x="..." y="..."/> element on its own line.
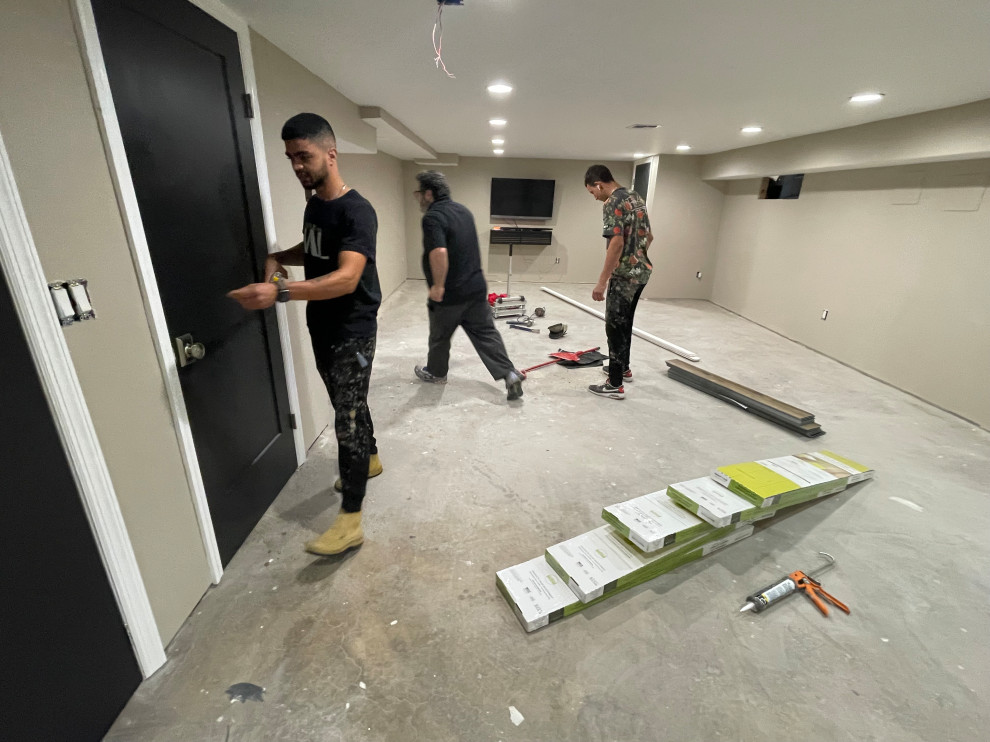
<point x="63" y="304"/>
<point x="79" y="293"/>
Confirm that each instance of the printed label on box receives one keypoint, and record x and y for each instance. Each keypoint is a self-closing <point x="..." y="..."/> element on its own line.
<point x="849" y="471"/>
<point x="718" y="502"/>
<point x="739" y="534"/>
<point x="535" y="592"/>
<point x="831" y="490"/>
<point x="800" y="471"/>
<point x="652" y="521"/>
<point x="722" y="478"/>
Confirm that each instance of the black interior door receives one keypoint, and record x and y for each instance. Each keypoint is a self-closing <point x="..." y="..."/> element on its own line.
<point x="178" y="89"/>
<point x="66" y="663"/>
<point x="641" y="181"/>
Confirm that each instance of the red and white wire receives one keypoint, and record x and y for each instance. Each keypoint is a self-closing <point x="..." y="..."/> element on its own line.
<point x="438" y="42"/>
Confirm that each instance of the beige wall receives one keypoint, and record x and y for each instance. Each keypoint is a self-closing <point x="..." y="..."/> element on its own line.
<point x="51" y="133"/>
<point x="684" y="217"/>
<point x="957" y="133"/>
<point x="286" y="88"/>
<point x="576" y="223"/>
<point x="899" y="256"/>
<point x="685" y="220"/>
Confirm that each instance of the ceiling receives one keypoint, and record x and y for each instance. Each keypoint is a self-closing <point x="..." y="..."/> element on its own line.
<point x="584" y="70"/>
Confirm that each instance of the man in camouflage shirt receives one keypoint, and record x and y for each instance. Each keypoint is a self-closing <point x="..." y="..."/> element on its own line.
<point x="626" y="228"/>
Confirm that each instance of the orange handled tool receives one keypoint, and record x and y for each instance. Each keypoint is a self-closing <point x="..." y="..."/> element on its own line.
<point x="813" y="589"/>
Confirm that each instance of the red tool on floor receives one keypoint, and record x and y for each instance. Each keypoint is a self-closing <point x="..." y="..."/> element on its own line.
<point x="560" y="355"/>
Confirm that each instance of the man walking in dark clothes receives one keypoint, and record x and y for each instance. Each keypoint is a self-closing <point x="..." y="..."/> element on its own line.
<point x="626" y="228"/>
<point x="343" y="295"/>
<point x="458" y="291"/>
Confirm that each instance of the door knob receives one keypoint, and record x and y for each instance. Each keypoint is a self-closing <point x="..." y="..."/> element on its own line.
<point x="187" y="351"/>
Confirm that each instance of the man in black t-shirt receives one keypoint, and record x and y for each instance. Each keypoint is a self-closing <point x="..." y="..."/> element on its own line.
<point x="458" y="292"/>
<point x="343" y="295"/>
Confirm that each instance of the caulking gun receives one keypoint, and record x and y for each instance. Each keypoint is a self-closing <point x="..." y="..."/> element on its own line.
<point x="763" y="599"/>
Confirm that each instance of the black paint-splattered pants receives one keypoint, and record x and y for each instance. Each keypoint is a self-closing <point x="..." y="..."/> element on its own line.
<point x="345" y="367"/>
<point x="620" y="308"/>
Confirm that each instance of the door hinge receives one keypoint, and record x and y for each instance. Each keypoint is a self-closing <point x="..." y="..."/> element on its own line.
<point x="292" y="421"/>
<point x="248" y="106"/>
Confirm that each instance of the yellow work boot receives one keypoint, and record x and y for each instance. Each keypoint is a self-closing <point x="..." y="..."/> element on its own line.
<point x="344" y="534"/>
<point x="374" y="469"/>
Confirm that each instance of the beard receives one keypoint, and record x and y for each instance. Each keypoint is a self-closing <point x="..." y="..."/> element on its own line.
<point x="313" y="181"/>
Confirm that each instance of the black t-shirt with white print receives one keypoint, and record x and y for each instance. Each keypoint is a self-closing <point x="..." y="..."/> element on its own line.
<point x="347" y="223"/>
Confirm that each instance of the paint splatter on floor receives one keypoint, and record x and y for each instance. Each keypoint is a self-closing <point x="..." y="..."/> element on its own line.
<point x="515" y="716"/>
<point x="907" y="503"/>
<point x="245" y="692"/>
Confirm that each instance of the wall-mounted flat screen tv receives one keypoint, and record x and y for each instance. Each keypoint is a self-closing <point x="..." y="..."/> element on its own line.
<point x="522" y="198"/>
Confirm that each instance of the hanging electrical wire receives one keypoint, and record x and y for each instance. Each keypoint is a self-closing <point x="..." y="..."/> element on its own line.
<point x="438" y="40"/>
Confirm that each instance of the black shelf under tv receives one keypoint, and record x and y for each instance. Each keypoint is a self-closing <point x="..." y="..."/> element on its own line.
<point x="520" y="236"/>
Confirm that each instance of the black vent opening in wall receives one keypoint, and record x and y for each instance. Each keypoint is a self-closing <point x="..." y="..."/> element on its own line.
<point x="522" y="198"/>
<point x="781" y="186"/>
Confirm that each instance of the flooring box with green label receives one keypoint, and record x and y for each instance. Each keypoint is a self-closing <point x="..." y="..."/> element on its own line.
<point x="654" y="521"/>
<point x="602" y="561"/>
<point x="716" y="504"/>
<point x="539" y="596"/>
<point x="790" y="480"/>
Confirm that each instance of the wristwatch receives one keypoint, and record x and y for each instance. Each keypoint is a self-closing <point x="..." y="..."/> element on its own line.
<point x="283" y="290"/>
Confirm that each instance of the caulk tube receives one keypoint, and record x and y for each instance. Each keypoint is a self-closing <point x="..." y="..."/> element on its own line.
<point x="763" y="599"/>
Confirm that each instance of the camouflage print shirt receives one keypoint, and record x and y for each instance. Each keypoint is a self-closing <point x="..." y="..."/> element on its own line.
<point x="624" y="214"/>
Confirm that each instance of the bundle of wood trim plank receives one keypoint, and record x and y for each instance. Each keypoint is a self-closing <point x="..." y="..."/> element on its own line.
<point x="762" y="405"/>
<point x="653" y="534"/>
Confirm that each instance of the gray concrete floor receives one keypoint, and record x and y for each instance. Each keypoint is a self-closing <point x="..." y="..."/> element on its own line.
<point x="407" y="638"/>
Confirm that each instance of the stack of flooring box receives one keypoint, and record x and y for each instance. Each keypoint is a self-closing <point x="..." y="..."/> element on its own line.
<point x="762" y="405"/>
<point x="651" y="535"/>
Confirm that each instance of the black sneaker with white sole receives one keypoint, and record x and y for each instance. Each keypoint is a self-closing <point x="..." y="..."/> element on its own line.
<point x="607" y="390"/>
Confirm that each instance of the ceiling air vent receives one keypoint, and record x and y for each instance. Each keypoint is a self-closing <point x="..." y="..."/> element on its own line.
<point x="643" y="126"/>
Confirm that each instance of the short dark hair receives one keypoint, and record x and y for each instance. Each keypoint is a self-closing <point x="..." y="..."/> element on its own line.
<point x="598" y="174"/>
<point x="431" y="180"/>
<point x="309" y="126"/>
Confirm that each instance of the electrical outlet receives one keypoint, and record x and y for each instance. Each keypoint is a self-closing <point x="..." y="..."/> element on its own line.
<point x="824" y="314"/>
<point x="698" y="274"/>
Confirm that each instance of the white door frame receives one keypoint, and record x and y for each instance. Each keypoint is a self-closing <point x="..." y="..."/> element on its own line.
<point x="127" y="200"/>
<point x="29" y="289"/>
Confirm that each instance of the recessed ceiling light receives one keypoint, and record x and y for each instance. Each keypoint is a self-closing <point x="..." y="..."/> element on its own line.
<point x="498" y="151"/>
<point x="497" y="122"/>
<point x="866" y="98"/>
<point x="751" y="129"/>
<point x="498" y="141"/>
<point x="499" y="88"/>
<point x="638" y="155"/>
<point x="683" y="147"/>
